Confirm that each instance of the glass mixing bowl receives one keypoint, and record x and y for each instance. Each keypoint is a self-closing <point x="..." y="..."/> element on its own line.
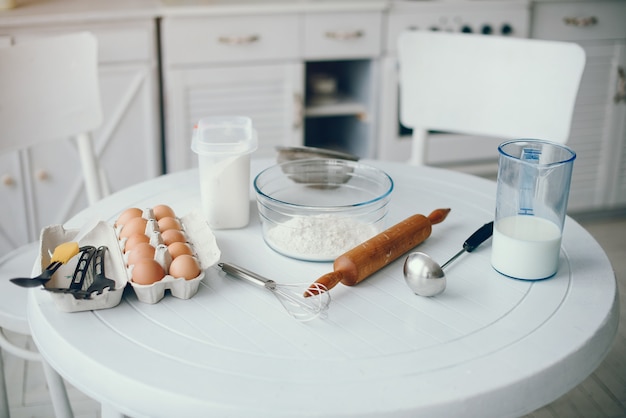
<point x="317" y="209"/>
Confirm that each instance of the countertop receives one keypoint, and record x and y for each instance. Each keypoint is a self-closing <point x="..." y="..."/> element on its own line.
<point x="38" y="12"/>
<point x="35" y="12"/>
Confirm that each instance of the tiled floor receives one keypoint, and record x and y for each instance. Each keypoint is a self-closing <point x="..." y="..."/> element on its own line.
<point x="603" y="394"/>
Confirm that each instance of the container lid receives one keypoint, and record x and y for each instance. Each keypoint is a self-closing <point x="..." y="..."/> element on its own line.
<point x="224" y="135"/>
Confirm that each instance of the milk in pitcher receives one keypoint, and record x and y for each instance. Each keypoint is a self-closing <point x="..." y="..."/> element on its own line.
<point x="526" y="247"/>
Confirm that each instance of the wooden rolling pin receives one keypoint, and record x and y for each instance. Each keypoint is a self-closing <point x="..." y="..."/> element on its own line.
<point x="359" y="263"/>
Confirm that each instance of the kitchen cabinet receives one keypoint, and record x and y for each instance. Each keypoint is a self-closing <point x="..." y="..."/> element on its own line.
<point x="342" y="49"/>
<point x="269" y="94"/>
<point x="262" y="66"/>
<point x="231" y="65"/>
<point x="43" y="185"/>
<point x="598" y="132"/>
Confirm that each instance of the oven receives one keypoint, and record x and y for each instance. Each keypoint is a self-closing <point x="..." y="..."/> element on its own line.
<point x="476" y="155"/>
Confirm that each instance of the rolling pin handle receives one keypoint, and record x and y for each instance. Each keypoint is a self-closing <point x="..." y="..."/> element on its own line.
<point x="329" y="280"/>
<point x="438" y="215"/>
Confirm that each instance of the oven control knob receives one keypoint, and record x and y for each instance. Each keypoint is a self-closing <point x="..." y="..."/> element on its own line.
<point x="466" y="29"/>
<point x="506" y="29"/>
<point x="487" y="30"/>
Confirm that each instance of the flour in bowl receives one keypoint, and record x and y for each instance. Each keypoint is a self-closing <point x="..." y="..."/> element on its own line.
<point x="319" y="237"/>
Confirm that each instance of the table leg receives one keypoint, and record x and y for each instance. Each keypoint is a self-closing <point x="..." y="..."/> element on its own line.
<point x="60" y="401"/>
<point x="4" y="400"/>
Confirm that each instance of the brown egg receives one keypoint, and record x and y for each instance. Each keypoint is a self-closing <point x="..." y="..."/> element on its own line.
<point x="133" y="226"/>
<point x="172" y="235"/>
<point x="162" y="211"/>
<point x="134" y="240"/>
<point x="167" y="223"/>
<point x="141" y="251"/>
<point x="147" y="271"/>
<point x="127" y="215"/>
<point x="185" y="266"/>
<point x="179" y="248"/>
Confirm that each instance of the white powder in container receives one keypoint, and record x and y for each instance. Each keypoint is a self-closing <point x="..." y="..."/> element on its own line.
<point x="319" y="237"/>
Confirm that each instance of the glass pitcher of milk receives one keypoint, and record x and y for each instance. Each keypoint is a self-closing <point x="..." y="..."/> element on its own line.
<point x="534" y="179"/>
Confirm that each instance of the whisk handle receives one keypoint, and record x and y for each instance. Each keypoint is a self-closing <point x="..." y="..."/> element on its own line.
<point x="242" y="273"/>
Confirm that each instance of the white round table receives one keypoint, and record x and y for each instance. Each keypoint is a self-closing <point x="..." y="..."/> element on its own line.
<point x="489" y="346"/>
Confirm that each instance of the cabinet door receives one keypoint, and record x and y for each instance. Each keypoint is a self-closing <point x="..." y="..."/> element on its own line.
<point x="595" y="133"/>
<point x="57" y="182"/>
<point x="14" y="218"/>
<point x="617" y="197"/>
<point x="598" y="126"/>
<point x="128" y="142"/>
<point x="269" y="94"/>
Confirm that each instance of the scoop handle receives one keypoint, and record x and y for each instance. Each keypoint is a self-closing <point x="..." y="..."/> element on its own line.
<point x="365" y="259"/>
<point x="473" y="242"/>
<point x="478" y="237"/>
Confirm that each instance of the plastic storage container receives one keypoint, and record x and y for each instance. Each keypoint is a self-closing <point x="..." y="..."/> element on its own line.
<point x="224" y="145"/>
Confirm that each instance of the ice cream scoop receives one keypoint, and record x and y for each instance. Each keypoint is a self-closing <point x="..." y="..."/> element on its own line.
<point x="425" y="277"/>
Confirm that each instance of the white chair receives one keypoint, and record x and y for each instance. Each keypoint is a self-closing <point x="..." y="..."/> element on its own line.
<point x="48" y="91"/>
<point x="486" y="85"/>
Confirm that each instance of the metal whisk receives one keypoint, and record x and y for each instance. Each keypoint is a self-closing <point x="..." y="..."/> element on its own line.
<point x="289" y="295"/>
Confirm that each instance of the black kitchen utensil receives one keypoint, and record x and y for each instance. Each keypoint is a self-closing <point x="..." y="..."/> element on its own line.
<point x="100" y="281"/>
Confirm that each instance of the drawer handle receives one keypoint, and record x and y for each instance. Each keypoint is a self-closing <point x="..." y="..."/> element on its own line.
<point x="620" y="94"/>
<point x="42" y="175"/>
<point x="581" y="22"/>
<point x="345" y="36"/>
<point x="298" y="114"/>
<point x="239" y="40"/>
<point x="8" y="180"/>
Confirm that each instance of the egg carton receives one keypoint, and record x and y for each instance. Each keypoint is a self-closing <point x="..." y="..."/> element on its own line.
<point x="198" y="234"/>
<point x="204" y="247"/>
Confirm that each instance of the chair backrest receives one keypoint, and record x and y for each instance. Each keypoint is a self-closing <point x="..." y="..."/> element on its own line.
<point x="49" y="91"/>
<point x="486" y="85"/>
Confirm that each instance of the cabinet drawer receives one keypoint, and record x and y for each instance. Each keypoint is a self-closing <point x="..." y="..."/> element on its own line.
<point x="229" y="39"/>
<point x="116" y="43"/>
<point x="125" y="44"/>
<point x="342" y="35"/>
<point x="579" y="21"/>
